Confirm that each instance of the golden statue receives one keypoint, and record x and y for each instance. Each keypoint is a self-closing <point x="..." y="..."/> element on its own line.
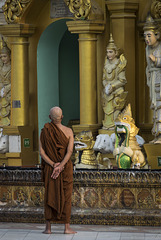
<point x="127" y="151"/>
<point x="85" y="156"/>
<point x="5" y="85"/>
<point x="114" y="80"/>
<point x="153" y="73"/>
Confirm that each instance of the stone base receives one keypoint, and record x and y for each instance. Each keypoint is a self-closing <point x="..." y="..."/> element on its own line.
<point x="120" y="217"/>
<point x="23" y="215"/>
<point x="153" y="152"/>
<point x="111" y="197"/>
<point x="92" y="217"/>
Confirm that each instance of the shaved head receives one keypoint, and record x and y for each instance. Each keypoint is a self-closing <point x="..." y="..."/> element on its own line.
<point x="55" y="113"/>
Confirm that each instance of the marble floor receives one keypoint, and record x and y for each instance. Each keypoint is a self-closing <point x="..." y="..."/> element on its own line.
<point x="33" y="231"/>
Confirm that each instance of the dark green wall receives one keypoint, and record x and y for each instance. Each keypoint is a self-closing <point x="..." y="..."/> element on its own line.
<point x="58" y="74"/>
<point x="69" y="77"/>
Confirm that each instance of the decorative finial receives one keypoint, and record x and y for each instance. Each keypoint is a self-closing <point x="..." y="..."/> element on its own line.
<point x="150" y="24"/>
<point x="111" y="44"/>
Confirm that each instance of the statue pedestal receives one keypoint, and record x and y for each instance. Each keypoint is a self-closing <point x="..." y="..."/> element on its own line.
<point x="20" y="147"/>
<point x="105" y="131"/>
<point x="153" y="152"/>
<point x="86" y="127"/>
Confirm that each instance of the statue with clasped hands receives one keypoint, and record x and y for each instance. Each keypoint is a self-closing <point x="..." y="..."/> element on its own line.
<point x="114" y="80"/>
<point x="153" y="73"/>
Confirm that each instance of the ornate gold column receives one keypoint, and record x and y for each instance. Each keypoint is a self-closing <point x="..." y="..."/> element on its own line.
<point x="87" y="59"/>
<point x="22" y="148"/>
<point x="87" y="31"/>
<point x="123" y="27"/>
<point x="18" y="37"/>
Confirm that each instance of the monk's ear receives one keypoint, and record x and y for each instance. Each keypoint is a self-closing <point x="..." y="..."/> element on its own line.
<point x="49" y="116"/>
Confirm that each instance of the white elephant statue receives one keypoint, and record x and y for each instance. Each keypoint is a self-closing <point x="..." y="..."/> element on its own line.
<point x="106" y="144"/>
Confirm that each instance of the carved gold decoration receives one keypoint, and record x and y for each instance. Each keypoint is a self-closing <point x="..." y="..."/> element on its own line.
<point x="13" y="10"/>
<point x="80" y="8"/>
<point x="156" y="8"/>
<point x="127" y="198"/>
<point x="84" y="145"/>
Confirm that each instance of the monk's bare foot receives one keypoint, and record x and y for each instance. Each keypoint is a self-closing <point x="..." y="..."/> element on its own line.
<point x="48" y="228"/>
<point x="68" y="230"/>
<point x="47" y="232"/>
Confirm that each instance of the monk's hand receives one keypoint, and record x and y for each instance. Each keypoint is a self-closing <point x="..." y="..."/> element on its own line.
<point x="56" y="164"/>
<point x="56" y="171"/>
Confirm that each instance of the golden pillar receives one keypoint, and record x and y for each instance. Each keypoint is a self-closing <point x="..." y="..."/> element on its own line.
<point x="20" y="84"/>
<point x="18" y="35"/>
<point x="123" y="28"/>
<point x="87" y="59"/>
<point x="88" y="72"/>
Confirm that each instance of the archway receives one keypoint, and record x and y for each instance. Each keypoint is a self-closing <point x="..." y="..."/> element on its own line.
<point x="58" y="72"/>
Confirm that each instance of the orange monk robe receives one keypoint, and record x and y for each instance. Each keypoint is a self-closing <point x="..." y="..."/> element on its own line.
<point x="58" y="192"/>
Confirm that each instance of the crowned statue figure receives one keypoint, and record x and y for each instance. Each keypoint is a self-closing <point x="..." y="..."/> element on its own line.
<point x="5" y="85"/>
<point x="153" y="73"/>
<point x="114" y="80"/>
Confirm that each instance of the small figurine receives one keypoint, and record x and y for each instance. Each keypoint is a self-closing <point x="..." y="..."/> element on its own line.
<point x="85" y="156"/>
<point x="153" y="73"/>
<point x="114" y="80"/>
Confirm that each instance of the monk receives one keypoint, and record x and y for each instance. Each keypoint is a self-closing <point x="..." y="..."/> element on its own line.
<point x="56" y="147"/>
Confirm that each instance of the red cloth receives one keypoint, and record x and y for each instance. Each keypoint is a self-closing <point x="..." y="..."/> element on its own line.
<point x="58" y="192"/>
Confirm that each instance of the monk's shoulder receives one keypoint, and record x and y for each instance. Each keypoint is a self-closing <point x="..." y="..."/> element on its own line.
<point x="68" y="131"/>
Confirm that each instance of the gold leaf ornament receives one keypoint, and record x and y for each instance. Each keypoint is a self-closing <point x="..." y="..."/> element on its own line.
<point x="156" y="9"/>
<point x="13" y="10"/>
<point x="80" y="8"/>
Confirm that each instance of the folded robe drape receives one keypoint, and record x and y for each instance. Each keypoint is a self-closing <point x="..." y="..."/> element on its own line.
<point x="58" y="192"/>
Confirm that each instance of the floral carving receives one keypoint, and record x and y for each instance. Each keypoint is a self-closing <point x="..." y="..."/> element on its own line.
<point x="13" y="9"/>
<point x="80" y="8"/>
<point x="156" y="9"/>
